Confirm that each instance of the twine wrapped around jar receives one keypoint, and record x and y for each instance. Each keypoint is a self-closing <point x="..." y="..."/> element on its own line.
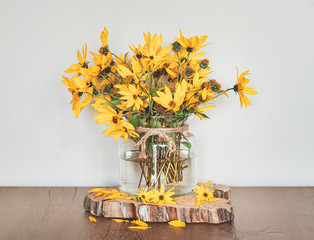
<point x="162" y="133"/>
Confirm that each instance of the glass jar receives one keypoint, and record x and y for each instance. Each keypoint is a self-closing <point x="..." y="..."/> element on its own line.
<point x="175" y="169"/>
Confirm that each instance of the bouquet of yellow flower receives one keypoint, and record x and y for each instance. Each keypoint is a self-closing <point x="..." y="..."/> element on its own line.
<point x="155" y="88"/>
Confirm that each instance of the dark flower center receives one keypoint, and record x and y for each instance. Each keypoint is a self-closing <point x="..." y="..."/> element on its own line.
<point x="176" y="47"/>
<point x="103" y="50"/>
<point x="134" y="97"/>
<point x="204" y="63"/>
<point x="114" y="119"/>
<point x="189" y="49"/>
<point x="205" y="194"/>
<point x="161" y="197"/>
<point x="215" y="85"/>
<point x="85" y="65"/>
<point x="172" y="104"/>
<point x="189" y="72"/>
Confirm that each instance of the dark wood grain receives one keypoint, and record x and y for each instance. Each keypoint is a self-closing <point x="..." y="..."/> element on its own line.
<point x="57" y="213"/>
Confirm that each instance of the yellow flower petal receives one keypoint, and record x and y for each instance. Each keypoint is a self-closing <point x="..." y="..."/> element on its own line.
<point x="139" y="227"/>
<point x="199" y="203"/>
<point x="92" y="219"/>
<point x="249" y="90"/>
<point x="206" y="184"/>
<point x="95" y="190"/>
<point x="177" y="223"/>
<point x="120" y="220"/>
<point x="140" y="223"/>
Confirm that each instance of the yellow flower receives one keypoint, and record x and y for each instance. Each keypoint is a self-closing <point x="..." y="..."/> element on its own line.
<point x="153" y="52"/>
<point x="125" y="133"/>
<point x="161" y="197"/>
<point x="104" y="40"/>
<point x="131" y="74"/>
<point x="204" y="195"/>
<point x="169" y="102"/>
<point x="192" y="44"/>
<point x="77" y="104"/>
<point x="103" y="61"/>
<point x="137" y="51"/>
<point x="241" y="88"/>
<point x="75" y="68"/>
<point x="131" y="94"/>
<point x="109" y="116"/>
<point x="143" y="195"/>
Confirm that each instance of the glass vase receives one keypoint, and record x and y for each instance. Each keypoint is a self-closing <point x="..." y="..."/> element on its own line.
<point x="175" y="168"/>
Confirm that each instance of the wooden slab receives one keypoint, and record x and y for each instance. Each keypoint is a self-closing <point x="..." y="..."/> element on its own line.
<point x="185" y="210"/>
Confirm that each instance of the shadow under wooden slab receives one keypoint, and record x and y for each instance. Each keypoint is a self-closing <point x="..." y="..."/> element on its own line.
<point x="57" y="213"/>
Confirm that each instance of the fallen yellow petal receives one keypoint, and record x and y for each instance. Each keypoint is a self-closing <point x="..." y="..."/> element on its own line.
<point x="214" y="199"/>
<point x="139" y="227"/>
<point x="120" y="220"/>
<point x="199" y="203"/>
<point x="205" y="184"/>
<point x="96" y="190"/>
<point x="140" y="223"/>
<point x="92" y="219"/>
<point x="177" y="223"/>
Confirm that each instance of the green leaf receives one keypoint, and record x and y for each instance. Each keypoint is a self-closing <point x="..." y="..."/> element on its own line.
<point x="152" y="91"/>
<point x="202" y="114"/>
<point x="115" y="102"/>
<point x="134" y="121"/>
<point x="125" y="55"/>
<point x="187" y="144"/>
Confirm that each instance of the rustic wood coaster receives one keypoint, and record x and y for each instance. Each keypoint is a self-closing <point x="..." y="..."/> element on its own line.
<point x="215" y="212"/>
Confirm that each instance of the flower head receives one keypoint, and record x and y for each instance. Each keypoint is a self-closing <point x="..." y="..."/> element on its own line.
<point x="192" y="44"/>
<point x="204" y="195"/>
<point x="75" y="68"/>
<point x="143" y="195"/>
<point x="241" y="88"/>
<point x="161" y="197"/>
<point x="132" y="96"/>
<point x="172" y="102"/>
<point x="113" y="120"/>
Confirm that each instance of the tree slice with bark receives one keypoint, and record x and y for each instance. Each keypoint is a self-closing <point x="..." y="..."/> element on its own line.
<point x="185" y="210"/>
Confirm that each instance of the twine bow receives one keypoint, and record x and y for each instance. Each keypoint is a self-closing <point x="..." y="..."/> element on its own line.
<point x="162" y="133"/>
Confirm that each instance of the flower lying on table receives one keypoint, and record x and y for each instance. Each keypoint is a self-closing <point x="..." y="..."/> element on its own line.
<point x="204" y="194"/>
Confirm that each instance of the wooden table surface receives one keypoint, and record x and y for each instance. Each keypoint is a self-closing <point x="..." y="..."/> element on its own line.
<point x="57" y="213"/>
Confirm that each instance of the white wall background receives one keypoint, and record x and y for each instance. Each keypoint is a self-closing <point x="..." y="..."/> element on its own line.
<point x="270" y="143"/>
